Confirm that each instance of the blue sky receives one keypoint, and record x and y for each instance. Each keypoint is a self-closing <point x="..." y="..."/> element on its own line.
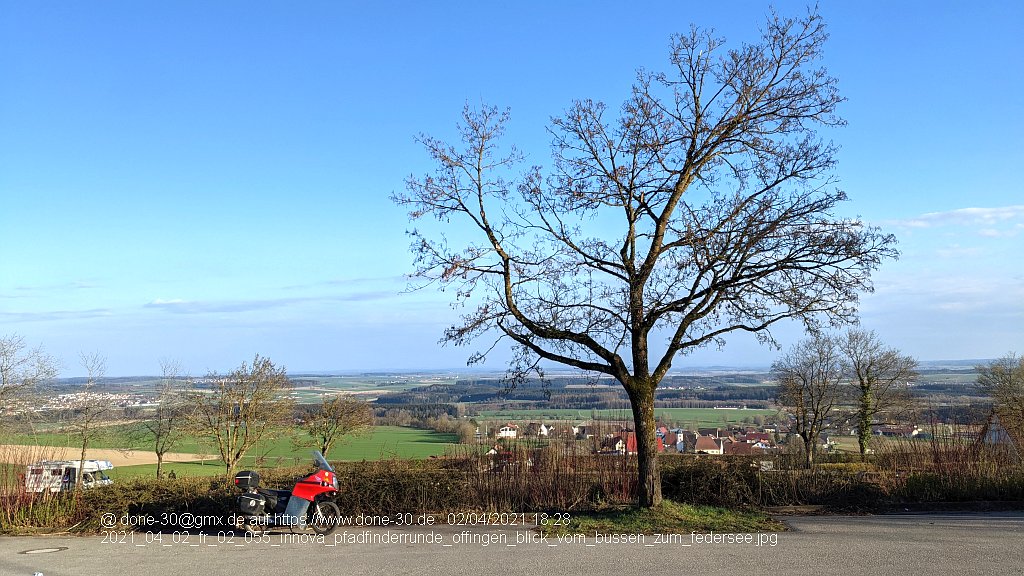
<point x="209" y="180"/>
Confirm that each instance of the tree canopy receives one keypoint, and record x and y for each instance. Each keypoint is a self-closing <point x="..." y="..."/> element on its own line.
<point x="333" y="419"/>
<point x="810" y="378"/>
<point x="879" y="376"/>
<point x="703" y="205"/>
<point x="22" y="369"/>
<point x="1003" y="380"/>
<point x="237" y="409"/>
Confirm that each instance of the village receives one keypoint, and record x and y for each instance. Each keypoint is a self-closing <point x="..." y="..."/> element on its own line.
<point x="612" y="438"/>
<point x="619" y="438"/>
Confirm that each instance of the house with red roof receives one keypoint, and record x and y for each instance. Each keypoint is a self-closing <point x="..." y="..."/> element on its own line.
<point x="509" y="430"/>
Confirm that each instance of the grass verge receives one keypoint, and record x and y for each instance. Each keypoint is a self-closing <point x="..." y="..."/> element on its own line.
<point x="667" y="518"/>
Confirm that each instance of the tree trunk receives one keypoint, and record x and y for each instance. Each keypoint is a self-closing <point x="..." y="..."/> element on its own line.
<point x="649" y="478"/>
<point x="159" y="464"/>
<point x="81" y="467"/>
<point x="809" y="451"/>
<point x="864" y="429"/>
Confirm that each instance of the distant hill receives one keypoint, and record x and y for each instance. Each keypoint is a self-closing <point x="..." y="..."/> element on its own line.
<point x="951" y="364"/>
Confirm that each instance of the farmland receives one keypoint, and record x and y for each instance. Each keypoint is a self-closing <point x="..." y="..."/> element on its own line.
<point x="382" y="442"/>
<point x="694" y="417"/>
<point x="410" y="410"/>
<point x="314" y="387"/>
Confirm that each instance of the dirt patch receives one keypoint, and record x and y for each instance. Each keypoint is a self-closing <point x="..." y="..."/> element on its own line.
<point x="27" y="454"/>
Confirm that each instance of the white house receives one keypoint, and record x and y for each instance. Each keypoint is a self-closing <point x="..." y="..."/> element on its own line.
<point x="508" y="431"/>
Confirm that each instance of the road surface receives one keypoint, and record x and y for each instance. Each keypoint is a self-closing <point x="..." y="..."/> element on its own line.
<point x="950" y="544"/>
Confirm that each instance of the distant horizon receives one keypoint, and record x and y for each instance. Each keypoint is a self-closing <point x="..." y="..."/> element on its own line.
<point x="553" y="371"/>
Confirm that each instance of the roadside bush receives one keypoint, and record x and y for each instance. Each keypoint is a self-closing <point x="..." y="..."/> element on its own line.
<point x="836" y="489"/>
<point x="82" y="512"/>
<point x="969" y="487"/>
<point x="394" y="486"/>
<point x="715" y="481"/>
<point x="558" y="476"/>
<point x="19" y="509"/>
<point x="25" y="512"/>
<point x="738" y="482"/>
<point x="161" y="499"/>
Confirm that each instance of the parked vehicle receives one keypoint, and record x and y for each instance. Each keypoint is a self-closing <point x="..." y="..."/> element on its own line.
<point x="310" y="503"/>
<point x="61" y="475"/>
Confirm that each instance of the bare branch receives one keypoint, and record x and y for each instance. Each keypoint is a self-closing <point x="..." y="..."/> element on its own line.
<point x="22" y="370"/>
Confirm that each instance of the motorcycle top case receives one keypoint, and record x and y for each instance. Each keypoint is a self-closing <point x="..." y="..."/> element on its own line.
<point x="247" y="479"/>
<point x="251" y="504"/>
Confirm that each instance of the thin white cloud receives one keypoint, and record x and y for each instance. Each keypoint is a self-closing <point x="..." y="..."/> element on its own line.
<point x="161" y="302"/>
<point x="988" y="219"/>
<point x="956" y="251"/>
<point x="54" y="315"/>
<point x="29" y="291"/>
<point x="180" y="306"/>
<point x="994" y="233"/>
<point x="951" y="292"/>
<point x="349" y="282"/>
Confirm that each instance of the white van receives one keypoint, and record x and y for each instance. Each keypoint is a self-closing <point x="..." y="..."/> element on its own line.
<point x="61" y="475"/>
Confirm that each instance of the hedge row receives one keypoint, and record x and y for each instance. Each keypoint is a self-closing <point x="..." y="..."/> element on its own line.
<point x="536" y="483"/>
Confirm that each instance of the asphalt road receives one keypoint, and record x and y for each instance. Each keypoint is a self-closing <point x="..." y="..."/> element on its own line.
<point x="949" y="544"/>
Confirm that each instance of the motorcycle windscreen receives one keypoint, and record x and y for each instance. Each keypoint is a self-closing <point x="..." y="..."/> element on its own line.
<point x="321" y="462"/>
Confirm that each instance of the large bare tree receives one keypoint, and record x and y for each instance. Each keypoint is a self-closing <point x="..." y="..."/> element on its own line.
<point x="879" y="376"/>
<point x="234" y="411"/>
<point x="810" y="385"/>
<point x="704" y="206"/>
<point x="22" y="369"/>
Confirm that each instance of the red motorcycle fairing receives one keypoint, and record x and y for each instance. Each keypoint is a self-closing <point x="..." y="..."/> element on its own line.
<point x="320" y="482"/>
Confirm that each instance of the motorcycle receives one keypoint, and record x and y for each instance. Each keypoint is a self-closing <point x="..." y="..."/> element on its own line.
<point x="310" y="503"/>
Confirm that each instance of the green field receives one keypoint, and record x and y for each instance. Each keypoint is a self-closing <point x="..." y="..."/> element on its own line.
<point x="181" y="470"/>
<point x="113" y="437"/>
<point x="696" y="417"/>
<point x="381" y="442"/>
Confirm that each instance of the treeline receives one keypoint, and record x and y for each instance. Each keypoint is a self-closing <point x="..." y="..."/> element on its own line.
<point x="442" y="418"/>
<point x="486" y="394"/>
<point x="405" y="414"/>
<point x="957" y="414"/>
<point x="692" y="381"/>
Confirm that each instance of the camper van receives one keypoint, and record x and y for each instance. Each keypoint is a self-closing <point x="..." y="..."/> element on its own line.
<point x="61" y="475"/>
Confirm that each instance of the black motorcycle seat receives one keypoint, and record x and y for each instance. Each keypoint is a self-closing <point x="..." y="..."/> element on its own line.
<point x="275" y="494"/>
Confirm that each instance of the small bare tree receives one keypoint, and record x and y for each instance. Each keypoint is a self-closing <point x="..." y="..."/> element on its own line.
<point x="236" y="410"/>
<point x="168" y="425"/>
<point x="704" y="207"/>
<point x="1003" y="380"/>
<point x="22" y="369"/>
<point x="334" y="419"/>
<point x="879" y="377"/>
<point x="810" y="378"/>
<point x="466" y="431"/>
<point x="92" y="411"/>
